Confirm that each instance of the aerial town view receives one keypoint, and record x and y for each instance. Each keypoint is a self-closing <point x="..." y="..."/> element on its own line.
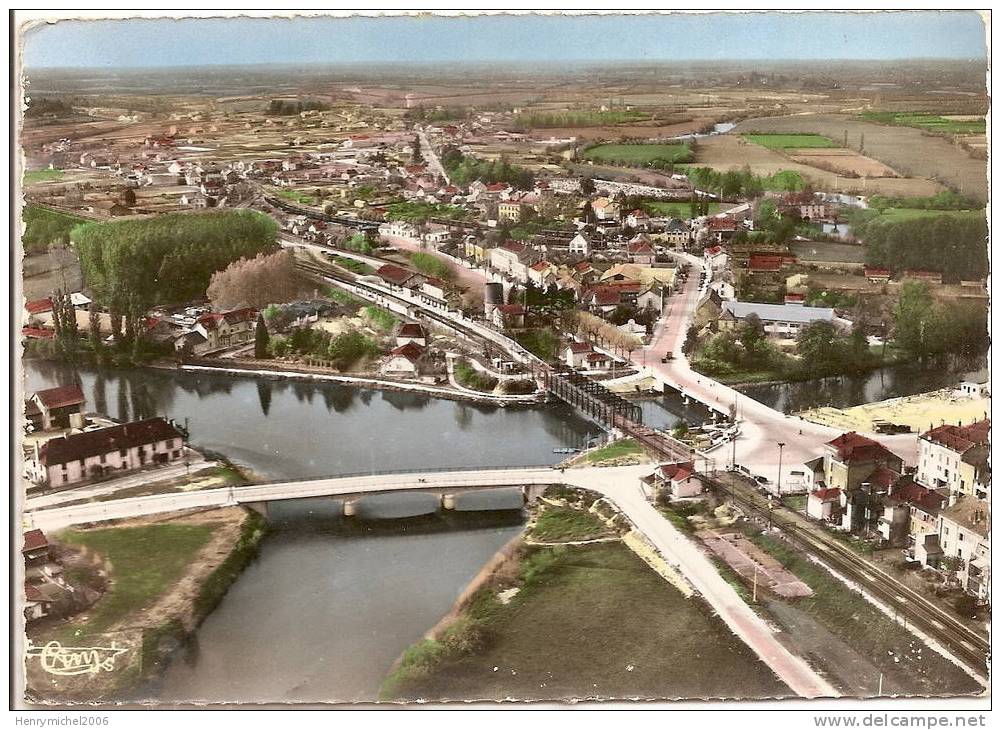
<point x="429" y="359"/>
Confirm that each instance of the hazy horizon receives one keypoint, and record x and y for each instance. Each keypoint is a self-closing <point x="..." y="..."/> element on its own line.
<point x="760" y="37"/>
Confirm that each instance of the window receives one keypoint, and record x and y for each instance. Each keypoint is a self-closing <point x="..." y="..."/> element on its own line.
<point x="961" y="536"/>
<point x="123" y="453"/>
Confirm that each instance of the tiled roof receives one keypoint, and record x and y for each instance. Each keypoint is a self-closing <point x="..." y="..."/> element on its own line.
<point x="37" y="306"/>
<point x="411" y="329"/>
<point x="971" y="513"/>
<point x="34" y="540"/>
<point x="64" y="395"/>
<point x="827" y="494"/>
<point x="580" y="347"/>
<point x="959" y="438"/>
<point x="412" y="351"/>
<point x="852" y="446"/>
<point x="677" y="472"/>
<point x="394" y="274"/>
<point x="77" y="446"/>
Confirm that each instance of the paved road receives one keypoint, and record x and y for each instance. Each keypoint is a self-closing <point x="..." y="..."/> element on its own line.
<point x="762" y="427"/>
<point x="619" y="484"/>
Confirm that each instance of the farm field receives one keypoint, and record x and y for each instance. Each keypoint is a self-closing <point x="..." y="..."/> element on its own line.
<point x="37" y="176"/>
<point x="671" y="209"/>
<point x="790" y="141"/>
<point x="927" y="163"/>
<point x="842" y="161"/>
<point x="953" y="124"/>
<point x="546" y="120"/>
<point x="732" y="152"/>
<point x="639" y="154"/>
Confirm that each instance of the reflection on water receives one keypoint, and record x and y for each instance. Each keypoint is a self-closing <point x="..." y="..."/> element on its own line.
<point x="852" y="390"/>
<point x="294" y="429"/>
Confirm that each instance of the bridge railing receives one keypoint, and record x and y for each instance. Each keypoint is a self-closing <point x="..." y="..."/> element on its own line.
<point x="408" y="473"/>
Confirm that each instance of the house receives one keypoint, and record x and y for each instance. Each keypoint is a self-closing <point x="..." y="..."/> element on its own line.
<point x="397" y="277"/>
<point x="541" y="273"/>
<point x="721" y="229"/>
<point x="862" y="505"/>
<point x="715" y="258"/>
<point x="509" y="316"/>
<point x="975" y="389"/>
<point x="399" y="229"/>
<point x="576" y="353"/>
<point x="640" y="250"/>
<point x="226" y="329"/>
<point x="404" y="360"/>
<point x="411" y="332"/>
<point x="676" y="233"/>
<point x="39" y="565"/>
<point x="907" y="502"/>
<point x="55" y="408"/>
<point x="851" y="459"/>
<point x="651" y="297"/>
<point x="434" y="289"/>
<point x="606" y="209"/>
<point x="512" y="258"/>
<point x="765" y="263"/>
<point x="603" y="299"/>
<point x="517" y="205"/>
<point x="950" y="457"/>
<point x="876" y="275"/>
<point x="824" y="504"/>
<point x="779" y="320"/>
<point x="964" y="534"/>
<point x="580" y="245"/>
<point x="638" y="219"/>
<point x="679" y="480"/>
<point x="37" y="604"/>
<point x="80" y="457"/>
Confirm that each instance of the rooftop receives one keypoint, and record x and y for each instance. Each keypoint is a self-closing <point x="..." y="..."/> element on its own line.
<point x="77" y="446"/>
<point x="779" y="312"/>
<point x="60" y="397"/>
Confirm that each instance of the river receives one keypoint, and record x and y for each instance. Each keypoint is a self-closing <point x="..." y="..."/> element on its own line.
<point x="852" y="390"/>
<point x="331" y="602"/>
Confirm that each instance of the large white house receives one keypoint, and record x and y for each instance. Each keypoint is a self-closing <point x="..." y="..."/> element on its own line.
<point x="778" y="320"/>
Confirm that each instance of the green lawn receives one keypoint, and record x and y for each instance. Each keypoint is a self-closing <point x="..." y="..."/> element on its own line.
<point x="296" y="197"/>
<point x="896" y="215"/>
<point x="790" y="141"/>
<point x="638" y="154"/>
<point x="38" y="176"/>
<point x="431" y="265"/>
<point x="928" y="122"/>
<point x="145" y="561"/>
<point x="380" y="318"/>
<point x="675" y="209"/>
<point x="358" y="267"/>
<point x="590" y="621"/>
<point x="565" y="524"/>
<point x="618" y="449"/>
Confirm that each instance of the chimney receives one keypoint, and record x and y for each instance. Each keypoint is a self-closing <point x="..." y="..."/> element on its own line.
<point x="953" y="497"/>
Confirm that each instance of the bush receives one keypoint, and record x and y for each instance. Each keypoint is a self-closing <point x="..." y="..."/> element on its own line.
<point x="965" y="605"/>
<point x="519" y="387"/>
<point x="468" y="377"/>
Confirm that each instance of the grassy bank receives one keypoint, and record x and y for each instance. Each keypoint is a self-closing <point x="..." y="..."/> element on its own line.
<point x="565" y="524"/>
<point x="469" y="377"/>
<point x="615" y="450"/>
<point x="570" y="633"/>
<point x="906" y="662"/>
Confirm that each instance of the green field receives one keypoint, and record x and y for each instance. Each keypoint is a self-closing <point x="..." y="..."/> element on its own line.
<point x="590" y="621"/>
<point x="895" y="215"/>
<point x="37" y="176"/>
<point x="927" y="122"/>
<point x="296" y="197"/>
<point x="145" y="561"/>
<point x="674" y="209"/>
<point x="565" y="524"/>
<point x="638" y="154"/>
<point x="790" y="141"/>
<point x="618" y="449"/>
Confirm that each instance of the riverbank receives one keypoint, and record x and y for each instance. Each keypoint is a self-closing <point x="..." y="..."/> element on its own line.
<point x="272" y="369"/>
<point x="164" y="574"/>
<point x="549" y="623"/>
<point x="920" y="412"/>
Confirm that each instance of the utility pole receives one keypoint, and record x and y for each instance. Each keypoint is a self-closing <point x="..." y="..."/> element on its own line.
<point x="779" y="483"/>
<point x="754" y="595"/>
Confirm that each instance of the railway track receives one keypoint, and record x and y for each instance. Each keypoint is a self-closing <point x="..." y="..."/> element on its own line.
<point x="963" y="642"/>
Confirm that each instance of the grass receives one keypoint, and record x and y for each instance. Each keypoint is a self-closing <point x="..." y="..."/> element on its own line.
<point x="616" y="450"/>
<point x="145" y="562"/>
<point x="638" y="154"/>
<point x="897" y="215"/>
<point x="790" y="141"/>
<point x="431" y="265"/>
<point x="796" y="502"/>
<point x="568" y="633"/>
<point x="674" y="209"/>
<point x="358" y="267"/>
<point x="565" y="524"/>
<point x="380" y="318"/>
<point x="344" y="298"/>
<point x="469" y="377"/>
<point x="927" y="122"/>
<point x="296" y="197"/>
<point x="861" y="625"/>
<point x="39" y="176"/>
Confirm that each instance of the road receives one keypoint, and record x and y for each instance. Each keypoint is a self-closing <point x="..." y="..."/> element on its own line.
<point x="620" y="485"/>
<point x="431" y="157"/>
<point x="761" y="427"/>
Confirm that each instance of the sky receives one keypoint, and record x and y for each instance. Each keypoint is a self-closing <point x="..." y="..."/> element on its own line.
<point x="717" y="36"/>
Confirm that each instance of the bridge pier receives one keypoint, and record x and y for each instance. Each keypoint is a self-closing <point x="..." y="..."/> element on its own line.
<point x="349" y="509"/>
<point x="448" y="501"/>
<point x="260" y="508"/>
<point x="531" y="492"/>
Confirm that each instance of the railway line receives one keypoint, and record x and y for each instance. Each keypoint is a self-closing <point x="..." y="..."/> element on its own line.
<point x="960" y="640"/>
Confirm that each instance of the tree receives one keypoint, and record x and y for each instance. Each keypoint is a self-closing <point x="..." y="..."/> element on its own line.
<point x="94" y="325"/>
<point x="752" y="334"/>
<point x="261" y="338"/>
<point x="915" y="318"/>
<point x="128" y="198"/>
<point x="587" y="186"/>
<point x="817" y="345"/>
<point x="257" y="282"/>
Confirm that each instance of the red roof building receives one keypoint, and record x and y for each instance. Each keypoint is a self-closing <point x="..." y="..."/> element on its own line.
<point x="60" y="397"/>
<point x="761" y="263"/>
<point x="39" y="306"/>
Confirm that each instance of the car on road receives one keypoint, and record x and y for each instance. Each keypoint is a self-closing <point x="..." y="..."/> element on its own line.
<point x="667" y="357"/>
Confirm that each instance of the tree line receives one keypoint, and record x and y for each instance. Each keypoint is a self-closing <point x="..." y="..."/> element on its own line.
<point x="288" y="107"/>
<point x="956" y="246"/>
<point x="131" y="265"/>
<point x="464" y="170"/>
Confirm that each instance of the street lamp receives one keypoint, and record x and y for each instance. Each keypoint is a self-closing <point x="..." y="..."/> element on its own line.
<point x="779" y="482"/>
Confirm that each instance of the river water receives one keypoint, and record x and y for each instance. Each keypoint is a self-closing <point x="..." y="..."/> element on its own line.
<point x="852" y="390"/>
<point x="331" y="602"/>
